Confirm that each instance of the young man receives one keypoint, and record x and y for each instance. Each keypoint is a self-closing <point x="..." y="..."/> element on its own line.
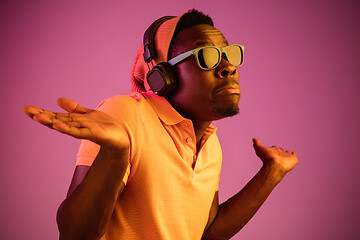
<point x="151" y="168"/>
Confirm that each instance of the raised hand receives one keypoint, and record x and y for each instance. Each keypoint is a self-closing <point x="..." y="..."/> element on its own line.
<point x="284" y="159"/>
<point x="83" y="123"/>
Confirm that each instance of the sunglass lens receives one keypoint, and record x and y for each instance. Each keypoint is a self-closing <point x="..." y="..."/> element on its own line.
<point x="208" y="57"/>
<point x="234" y="55"/>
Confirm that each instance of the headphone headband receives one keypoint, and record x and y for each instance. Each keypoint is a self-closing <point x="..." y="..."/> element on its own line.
<point x="149" y="36"/>
<point x="161" y="78"/>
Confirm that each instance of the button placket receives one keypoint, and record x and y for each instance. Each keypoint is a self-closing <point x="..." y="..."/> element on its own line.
<point x="188" y="137"/>
<point x="189" y="141"/>
<point x="194" y="162"/>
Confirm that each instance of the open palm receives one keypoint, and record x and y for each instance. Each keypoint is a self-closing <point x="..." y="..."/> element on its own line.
<point x="83" y="123"/>
<point x="285" y="159"/>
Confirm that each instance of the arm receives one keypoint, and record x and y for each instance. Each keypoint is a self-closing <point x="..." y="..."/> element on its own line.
<point x="86" y="211"/>
<point x="233" y="214"/>
<point x="78" y="176"/>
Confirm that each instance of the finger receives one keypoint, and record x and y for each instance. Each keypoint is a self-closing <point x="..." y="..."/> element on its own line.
<point x="256" y="142"/>
<point x="51" y="114"/>
<point x="71" y="106"/>
<point x="75" y="124"/>
<point x="74" y="131"/>
<point x="259" y="148"/>
<point x="64" y="117"/>
<point x="31" y="111"/>
<point x="70" y="122"/>
<point x="44" y="119"/>
<point x="70" y="117"/>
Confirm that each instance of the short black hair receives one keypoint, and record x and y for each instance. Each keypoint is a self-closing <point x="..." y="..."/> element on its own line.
<point x="191" y="18"/>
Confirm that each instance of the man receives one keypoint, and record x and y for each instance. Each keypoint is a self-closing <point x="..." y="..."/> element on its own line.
<point x="155" y="160"/>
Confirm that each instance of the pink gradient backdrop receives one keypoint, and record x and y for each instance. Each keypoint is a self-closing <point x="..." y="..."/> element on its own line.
<point x="300" y="86"/>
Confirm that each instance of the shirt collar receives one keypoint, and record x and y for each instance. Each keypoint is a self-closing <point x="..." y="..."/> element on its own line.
<point x="167" y="113"/>
<point x="163" y="108"/>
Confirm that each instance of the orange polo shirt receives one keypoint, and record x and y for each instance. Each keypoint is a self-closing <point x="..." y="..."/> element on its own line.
<point x="170" y="185"/>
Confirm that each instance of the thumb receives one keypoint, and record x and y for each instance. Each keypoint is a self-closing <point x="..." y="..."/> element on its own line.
<point x="259" y="148"/>
<point x="257" y="142"/>
<point x="71" y="106"/>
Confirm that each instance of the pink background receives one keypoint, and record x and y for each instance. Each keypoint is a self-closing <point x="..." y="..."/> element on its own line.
<point x="300" y="84"/>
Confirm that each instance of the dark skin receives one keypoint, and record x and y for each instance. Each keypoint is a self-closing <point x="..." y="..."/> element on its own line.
<point x="212" y="91"/>
<point x="77" y="217"/>
<point x="202" y="87"/>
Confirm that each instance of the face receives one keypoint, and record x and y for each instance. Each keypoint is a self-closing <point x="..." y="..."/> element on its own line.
<point x="204" y="95"/>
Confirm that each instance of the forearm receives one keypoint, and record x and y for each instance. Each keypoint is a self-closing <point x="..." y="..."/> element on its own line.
<point x="238" y="210"/>
<point x="85" y="213"/>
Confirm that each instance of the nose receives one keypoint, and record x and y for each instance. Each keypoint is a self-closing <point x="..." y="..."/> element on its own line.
<point x="225" y="69"/>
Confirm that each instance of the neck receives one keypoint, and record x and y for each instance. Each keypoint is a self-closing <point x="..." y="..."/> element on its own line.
<point x="200" y="128"/>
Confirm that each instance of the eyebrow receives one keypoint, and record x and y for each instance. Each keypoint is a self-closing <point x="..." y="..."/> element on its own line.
<point x="201" y="43"/>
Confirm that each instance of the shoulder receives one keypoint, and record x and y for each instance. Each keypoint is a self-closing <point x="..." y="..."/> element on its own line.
<point x="121" y="100"/>
<point x="122" y="104"/>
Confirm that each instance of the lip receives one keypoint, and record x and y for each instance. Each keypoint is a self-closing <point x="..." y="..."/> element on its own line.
<point x="228" y="90"/>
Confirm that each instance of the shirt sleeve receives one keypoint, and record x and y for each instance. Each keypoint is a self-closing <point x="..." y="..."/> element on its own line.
<point x="116" y="107"/>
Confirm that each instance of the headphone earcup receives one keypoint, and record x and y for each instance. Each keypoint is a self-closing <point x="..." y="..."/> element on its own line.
<point x="162" y="79"/>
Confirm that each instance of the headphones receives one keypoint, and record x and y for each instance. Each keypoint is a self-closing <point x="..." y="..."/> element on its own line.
<point x="161" y="78"/>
